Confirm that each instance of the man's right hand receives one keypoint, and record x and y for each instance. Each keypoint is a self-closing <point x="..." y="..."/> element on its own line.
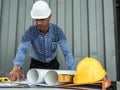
<point x="16" y="74"/>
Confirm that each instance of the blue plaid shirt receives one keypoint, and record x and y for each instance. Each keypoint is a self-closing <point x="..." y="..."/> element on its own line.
<point x="44" y="46"/>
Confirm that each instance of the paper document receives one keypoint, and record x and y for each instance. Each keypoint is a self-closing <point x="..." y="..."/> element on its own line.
<point x="15" y="84"/>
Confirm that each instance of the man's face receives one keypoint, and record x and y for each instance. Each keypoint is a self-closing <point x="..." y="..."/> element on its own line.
<point x="43" y="24"/>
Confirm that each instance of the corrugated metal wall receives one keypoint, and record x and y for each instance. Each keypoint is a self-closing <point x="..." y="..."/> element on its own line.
<point x="88" y="25"/>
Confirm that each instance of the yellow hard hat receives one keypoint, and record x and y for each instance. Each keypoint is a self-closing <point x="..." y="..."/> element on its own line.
<point x="88" y="70"/>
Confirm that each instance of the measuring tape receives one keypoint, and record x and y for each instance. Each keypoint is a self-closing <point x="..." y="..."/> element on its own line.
<point x="4" y="79"/>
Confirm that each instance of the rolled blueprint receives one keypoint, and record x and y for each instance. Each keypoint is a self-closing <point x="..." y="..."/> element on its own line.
<point x="50" y="77"/>
<point x="71" y="72"/>
<point x="35" y="76"/>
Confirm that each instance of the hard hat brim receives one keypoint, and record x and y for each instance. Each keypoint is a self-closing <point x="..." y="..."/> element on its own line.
<point x="40" y="17"/>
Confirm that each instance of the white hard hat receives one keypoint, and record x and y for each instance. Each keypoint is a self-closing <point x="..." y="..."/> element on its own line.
<point x="40" y="10"/>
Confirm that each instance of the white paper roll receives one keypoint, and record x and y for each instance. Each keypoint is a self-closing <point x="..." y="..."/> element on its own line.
<point x="35" y="76"/>
<point x="71" y="72"/>
<point x="50" y="77"/>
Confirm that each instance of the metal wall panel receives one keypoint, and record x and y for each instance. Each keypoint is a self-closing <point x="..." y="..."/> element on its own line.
<point x="109" y="42"/>
<point x="88" y="25"/>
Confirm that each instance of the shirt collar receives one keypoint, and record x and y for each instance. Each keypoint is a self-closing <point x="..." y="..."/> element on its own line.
<point x="49" y="31"/>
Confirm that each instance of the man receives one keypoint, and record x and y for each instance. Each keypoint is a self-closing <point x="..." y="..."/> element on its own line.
<point x="44" y="38"/>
